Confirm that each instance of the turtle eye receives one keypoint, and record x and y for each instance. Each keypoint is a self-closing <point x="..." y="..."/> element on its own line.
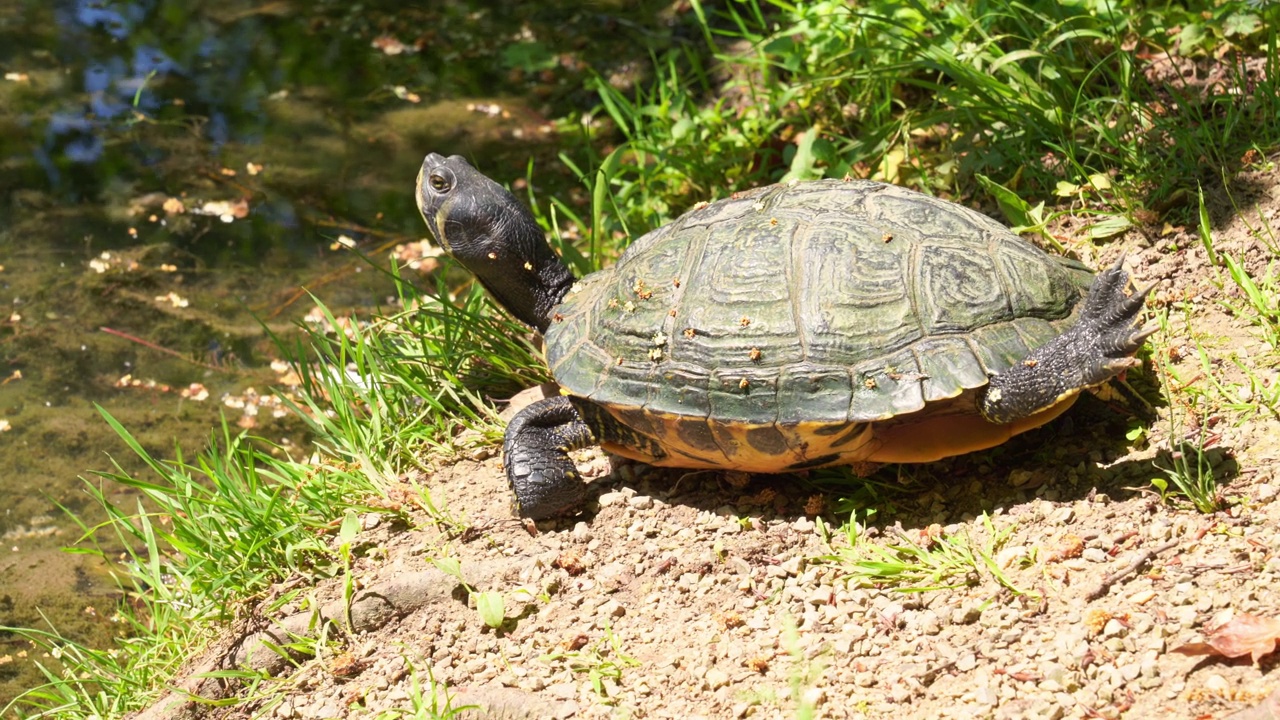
<point x="441" y="181"/>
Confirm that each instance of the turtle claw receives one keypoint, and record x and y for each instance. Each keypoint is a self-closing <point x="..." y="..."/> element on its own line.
<point x="1098" y="347"/>
<point x="1110" y="312"/>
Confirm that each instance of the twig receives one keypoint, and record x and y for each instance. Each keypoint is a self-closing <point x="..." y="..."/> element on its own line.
<point x="165" y="350"/>
<point x="1127" y="570"/>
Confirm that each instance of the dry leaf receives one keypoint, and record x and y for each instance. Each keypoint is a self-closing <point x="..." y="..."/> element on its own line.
<point x="1242" y="635"/>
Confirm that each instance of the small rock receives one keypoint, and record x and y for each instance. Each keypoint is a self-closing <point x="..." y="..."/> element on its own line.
<point x="1062" y="515"/>
<point x="813" y="696"/>
<point x="1150" y="666"/>
<point x="966" y="662"/>
<point x="582" y="531"/>
<point x="900" y="694"/>
<point x="716" y="678"/>
<point x="821" y="596"/>
<point x="568" y="691"/>
<point x="1159" y="530"/>
<point x="1052" y="686"/>
<point x="966" y="615"/>
<point x="533" y="684"/>
<point x="1217" y="684"/>
<point x="1046" y="710"/>
<point x="1018" y="478"/>
<point x="1094" y="555"/>
<point x="1142" y="597"/>
<point x="1266" y="492"/>
<point x="927" y="622"/>
<point x="640" y="502"/>
<point x="1114" y="628"/>
<point x="328" y="710"/>
<point x="612" y="498"/>
<point x="613" y="608"/>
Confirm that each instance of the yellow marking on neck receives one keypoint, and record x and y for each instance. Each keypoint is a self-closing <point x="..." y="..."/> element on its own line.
<point x="441" y="215"/>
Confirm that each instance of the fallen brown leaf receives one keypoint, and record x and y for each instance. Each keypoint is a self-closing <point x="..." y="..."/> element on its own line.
<point x="1242" y="635"/>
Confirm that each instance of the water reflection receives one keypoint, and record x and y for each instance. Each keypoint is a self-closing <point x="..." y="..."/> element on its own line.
<point x="123" y="123"/>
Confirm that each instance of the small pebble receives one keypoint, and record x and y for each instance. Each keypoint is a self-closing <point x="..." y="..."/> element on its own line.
<point x="1096" y="555"/>
<point x="1216" y="683"/>
<point x="612" y="498"/>
<point x="640" y="502"/>
<point x="716" y="678"/>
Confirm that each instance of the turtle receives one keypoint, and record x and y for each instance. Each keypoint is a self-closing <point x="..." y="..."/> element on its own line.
<point x="784" y="328"/>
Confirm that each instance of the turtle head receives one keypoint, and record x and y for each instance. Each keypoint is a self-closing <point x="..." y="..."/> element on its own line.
<point x="485" y="228"/>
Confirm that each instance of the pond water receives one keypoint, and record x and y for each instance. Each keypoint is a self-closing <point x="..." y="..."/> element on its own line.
<point x="174" y="172"/>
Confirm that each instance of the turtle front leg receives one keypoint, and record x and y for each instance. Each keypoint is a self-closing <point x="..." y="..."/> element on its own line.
<point x="536" y="455"/>
<point x="1099" y="346"/>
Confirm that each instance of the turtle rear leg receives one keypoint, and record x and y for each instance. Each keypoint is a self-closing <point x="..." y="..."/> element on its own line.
<point x="1099" y="346"/>
<point x="536" y="456"/>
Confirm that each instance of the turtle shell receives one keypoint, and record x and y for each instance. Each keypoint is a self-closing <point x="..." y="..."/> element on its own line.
<point x="749" y="328"/>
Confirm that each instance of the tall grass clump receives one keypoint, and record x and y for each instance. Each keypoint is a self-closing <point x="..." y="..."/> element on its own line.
<point x="1040" y="96"/>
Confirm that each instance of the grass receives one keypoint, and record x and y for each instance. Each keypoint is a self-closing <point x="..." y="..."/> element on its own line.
<point x="933" y="561"/>
<point x="428" y="700"/>
<point x="601" y="661"/>
<point x="1042" y="97"/>
<point x="209" y="534"/>
<point x="1042" y="107"/>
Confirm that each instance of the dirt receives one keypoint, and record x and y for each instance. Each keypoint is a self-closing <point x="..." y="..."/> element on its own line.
<point x="705" y="595"/>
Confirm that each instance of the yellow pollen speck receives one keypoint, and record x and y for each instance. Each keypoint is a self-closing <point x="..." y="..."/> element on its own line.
<point x="754" y="354"/>
<point x="690" y="332"/>
<point x="887" y="237"/>
<point x="869" y="383"/>
<point x="493" y="256"/>
<point x="655" y="354"/>
<point x="528" y="265"/>
<point x="1029" y="363"/>
<point x="773" y="221"/>
<point x="743" y="384"/>
<point x="744" y="321"/>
